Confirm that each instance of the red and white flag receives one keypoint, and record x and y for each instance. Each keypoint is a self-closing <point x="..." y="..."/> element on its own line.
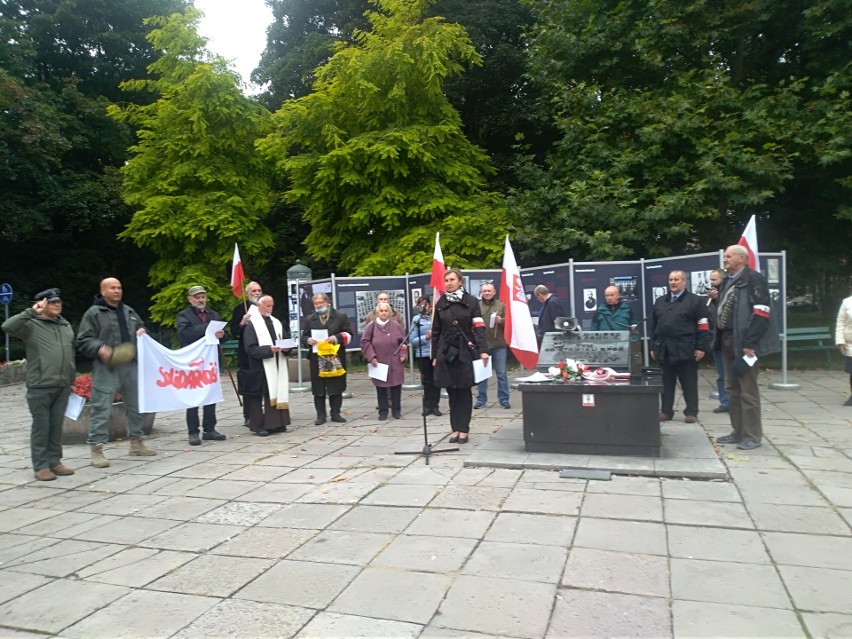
<point x="237" y="275"/>
<point x="749" y="240"/>
<point x="438" y="268"/>
<point x="518" y="329"/>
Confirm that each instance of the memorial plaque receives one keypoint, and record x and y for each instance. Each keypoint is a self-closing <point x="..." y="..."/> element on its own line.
<point x="592" y="348"/>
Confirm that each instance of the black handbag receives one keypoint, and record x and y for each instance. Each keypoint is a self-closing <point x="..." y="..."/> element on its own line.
<point x="250" y="382"/>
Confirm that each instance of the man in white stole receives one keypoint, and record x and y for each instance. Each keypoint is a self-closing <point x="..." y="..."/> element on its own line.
<point x="269" y="411"/>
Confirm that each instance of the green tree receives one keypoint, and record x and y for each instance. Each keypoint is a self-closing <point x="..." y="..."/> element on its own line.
<point x="194" y="180"/>
<point x="60" y="211"/>
<point x="376" y="157"/>
<point x="676" y="121"/>
<point x="300" y="39"/>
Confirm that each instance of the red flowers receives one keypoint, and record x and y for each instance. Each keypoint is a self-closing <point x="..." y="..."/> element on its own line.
<point x="82" y="386"/>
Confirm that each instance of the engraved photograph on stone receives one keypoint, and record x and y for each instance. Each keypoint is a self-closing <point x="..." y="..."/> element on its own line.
<point x="592" y="348"/>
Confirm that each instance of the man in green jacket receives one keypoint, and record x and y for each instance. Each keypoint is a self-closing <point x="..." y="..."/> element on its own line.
<point x="49" y="341"/>
<point x="108" y="323"/>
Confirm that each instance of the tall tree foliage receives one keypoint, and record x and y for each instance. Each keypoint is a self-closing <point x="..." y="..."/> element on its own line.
<point x="300" y="39"/>
<point x="194" y="180"/>
<point x="61" y="62"/>
<point x="676" y="121"/>
<point x="376" y="156"/>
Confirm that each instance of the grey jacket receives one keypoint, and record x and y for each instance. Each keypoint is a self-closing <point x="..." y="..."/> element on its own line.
<point x="99" y="326"/>
<point x="753" y="325"/>
<point x="50" y="348"/>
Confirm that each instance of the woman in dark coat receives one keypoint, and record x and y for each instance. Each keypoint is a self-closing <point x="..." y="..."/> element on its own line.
<point x="336" y="323"/>
<point x="382" y="343"/>
<point x="421" y="342"/>
<point x="458" y="336"/>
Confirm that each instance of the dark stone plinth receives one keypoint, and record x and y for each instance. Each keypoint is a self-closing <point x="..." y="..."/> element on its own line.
<point x="613" y="419"/>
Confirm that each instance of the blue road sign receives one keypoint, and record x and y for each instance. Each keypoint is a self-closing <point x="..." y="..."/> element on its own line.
<point x="5" y="293"/>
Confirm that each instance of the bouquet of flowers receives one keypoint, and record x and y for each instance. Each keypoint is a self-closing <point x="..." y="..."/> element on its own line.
<point x="82" y="386"/>
<point x="568" y="370"/>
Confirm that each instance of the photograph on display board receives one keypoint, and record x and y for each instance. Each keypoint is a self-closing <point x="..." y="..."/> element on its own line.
<point x="627" y="285"/>
<point x="659" y="291"/>
<point x="699" y="282"/>
<point x="590" y="300"/>
<point x="365" y="303"/>
<point x="416" y="294"/>
<point x="306" y="293"/>
<point x="772" y="271"/>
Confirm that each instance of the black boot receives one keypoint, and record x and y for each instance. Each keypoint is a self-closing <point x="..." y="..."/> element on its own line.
<point x="319" y="404"/>
<point x="336" y="402"/>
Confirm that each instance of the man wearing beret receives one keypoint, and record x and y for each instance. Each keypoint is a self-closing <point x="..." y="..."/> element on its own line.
<point x="108" y="323"/>
<point x="49" y="341"/>
<point x="192" y="323"/>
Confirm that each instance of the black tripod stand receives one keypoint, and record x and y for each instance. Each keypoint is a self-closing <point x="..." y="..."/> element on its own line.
<point x="427" y="450"/>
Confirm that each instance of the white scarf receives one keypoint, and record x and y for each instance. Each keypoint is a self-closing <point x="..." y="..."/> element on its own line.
<point x="277" y="375"/>
<point x="381" y="322"/>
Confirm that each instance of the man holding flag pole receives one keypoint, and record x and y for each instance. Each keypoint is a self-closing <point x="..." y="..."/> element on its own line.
<point x="240" y="315"/>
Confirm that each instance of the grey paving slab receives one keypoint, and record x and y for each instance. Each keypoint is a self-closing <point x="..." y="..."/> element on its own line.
<point x="551" y="530"/>
<point x="331" y="625"/>
<point x="502" y="607"/>
<point x="717" y="544"/>
<point x="212" y="575"/>
<point x="401" y="495"/>
<point x="238" y="514"/>
<point x="63" y="558"/>
<point x="277" y="493"/>
<point x="312" y="516"/>
<point x="580" y="613"/>
<point x="803" y="519"/>
<point x="701" y="619"/>
<point x="450" y="522"/>
<point x="340" y="493"/>
<point x="630" y="573"/>
<point x="517" y="561"/>
<point x="17" y="518"/>
<point x="181" y="508"/>
<point x="706" y="513"/>
<point x="376" y="519"/>
<point x="430" y="554"/>
<point x="258" y="620"/>
<point x="193" y="537"/>
<point x="635" y="507"/>
<point x="66" y="525"/>
<point x="621" y="485"/>
<point x="342" y="546"/>
<point x="13" y="584"/>
<point x="817" y="551"/>
<point x="272" y="543"/>
<point x="300" y="583"/>
<point x="543" y="502"/>
<point x="134" y="567"/>
<point x="643" y="537"/>
<point x="700" y="490"/>
<point x="59" y="604"/>
<point x="127" y="530"/>
<point x="387" y="593"/>
<point x="142" y="613"/>
<point x="819" y="589"/>
<point x="826" y="625"/>
<point x="728" y="582"/>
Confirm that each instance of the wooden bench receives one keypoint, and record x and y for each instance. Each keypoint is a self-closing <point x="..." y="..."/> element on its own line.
<point x="229" y="348"/>
<point x="821" y="336"/>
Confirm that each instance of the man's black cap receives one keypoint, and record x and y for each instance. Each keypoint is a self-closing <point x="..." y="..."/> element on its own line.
<point x="50" y="294"/>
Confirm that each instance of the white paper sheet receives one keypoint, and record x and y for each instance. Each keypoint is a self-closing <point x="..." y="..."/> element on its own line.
<point x="535" y="377"/>
<point x="212" y="328"/>
<point x="750" y="360"/>
<point x="320" y="335"/>
<point x="286" y="343"/>
<point x="481" y="370"/>
<point x="75" y="406"/>
<point x="379" y="371"/>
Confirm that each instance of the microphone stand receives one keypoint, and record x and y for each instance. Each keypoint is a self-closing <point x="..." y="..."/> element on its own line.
<point x="427" y="450"/>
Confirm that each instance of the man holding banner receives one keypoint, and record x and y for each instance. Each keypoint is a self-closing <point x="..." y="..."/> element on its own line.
<point x="192" y="323"/>
<point x="107" y="334"/>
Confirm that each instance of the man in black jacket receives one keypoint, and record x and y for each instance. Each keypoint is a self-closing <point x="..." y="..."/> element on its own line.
<point x="550" y="310"/>
<point x="239" y="320"/>
<point x="192" y="324"/>
<point x="744" y="329"/>
<point x="679" y="336"/>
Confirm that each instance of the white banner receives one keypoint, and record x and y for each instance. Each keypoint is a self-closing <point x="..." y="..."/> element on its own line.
<point x="176" y="380"/>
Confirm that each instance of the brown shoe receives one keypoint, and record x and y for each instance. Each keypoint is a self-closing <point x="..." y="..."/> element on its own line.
<point x="665" y="417"/>
<point x="45" y="474"/>
<point x="61" y="470"/>
<point x="690" y="419"/>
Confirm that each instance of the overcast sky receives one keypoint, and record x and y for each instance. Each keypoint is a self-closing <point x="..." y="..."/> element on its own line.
<point x="236" y="31"/>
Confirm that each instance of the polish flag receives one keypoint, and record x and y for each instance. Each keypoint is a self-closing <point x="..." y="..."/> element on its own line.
<point x="438" y="268"/>
<point x="749" y="240"/>
<point x="237" y="275"/>
<point x="518" y="329"/>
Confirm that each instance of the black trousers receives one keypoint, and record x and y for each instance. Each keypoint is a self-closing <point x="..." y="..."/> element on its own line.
<point x="685" y="372"/>
<point x="431" y="393"/>
<point x="335" y="403"/>
<point x="209" y="421"/>
<point x="461" y="409"/>
<point x="396" y="398"/>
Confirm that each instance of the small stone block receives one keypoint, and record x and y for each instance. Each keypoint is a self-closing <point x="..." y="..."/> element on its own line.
<point x="585" y="473"/>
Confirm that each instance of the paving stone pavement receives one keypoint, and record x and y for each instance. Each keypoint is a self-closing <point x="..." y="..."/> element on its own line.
<point x="325" y="532"/>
